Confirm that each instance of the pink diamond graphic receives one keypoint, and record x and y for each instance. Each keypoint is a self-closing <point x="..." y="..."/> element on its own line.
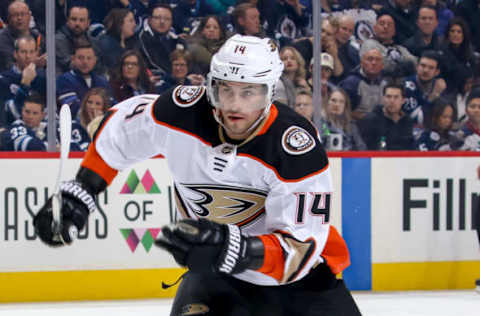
<point x="140" y="232"/>
<point x="132" y="241"/>
<point x="126" y="189"/>
<point x="147" y="181"/>
<point x="154" y="232"/>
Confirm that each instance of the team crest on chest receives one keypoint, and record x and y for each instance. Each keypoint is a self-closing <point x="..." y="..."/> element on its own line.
<point x="225" y="204"/>
<point x="297" y="141"/>
<point x="185" y="96"/>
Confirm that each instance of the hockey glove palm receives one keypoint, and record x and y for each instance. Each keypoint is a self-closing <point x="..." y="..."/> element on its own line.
<point x="205" y="246"/>
<point x="76" y="204"/>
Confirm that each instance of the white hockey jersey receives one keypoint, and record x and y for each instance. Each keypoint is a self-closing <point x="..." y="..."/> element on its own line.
<point x="275" y="185"/>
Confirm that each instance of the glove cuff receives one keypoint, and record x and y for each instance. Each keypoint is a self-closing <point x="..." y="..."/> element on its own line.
<point x="233" y="252"/>
<point x="76" y="190"/>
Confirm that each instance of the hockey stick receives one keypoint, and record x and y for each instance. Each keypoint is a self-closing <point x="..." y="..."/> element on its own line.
<point x="65" y="137"/>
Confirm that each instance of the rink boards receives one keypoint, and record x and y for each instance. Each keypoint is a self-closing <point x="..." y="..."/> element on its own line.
<point x="407" y="221"/>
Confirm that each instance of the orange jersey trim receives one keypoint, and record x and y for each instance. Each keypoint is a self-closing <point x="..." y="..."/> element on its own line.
<point x="271" y="118"/>
<point x="336" y="252"/>
<point x="94" y="162"/>
<point x="273" y="260"/>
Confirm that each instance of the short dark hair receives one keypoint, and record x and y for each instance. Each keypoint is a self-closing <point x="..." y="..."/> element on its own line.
<point x="156" y="5"/>
<point x="425" y="6"/>
<point x="78" y="5"/>
<point x="431" y="54"/>
<point x="36" y="98"/>
<point x="82" y="44"/>
<point x="394" y="85"/>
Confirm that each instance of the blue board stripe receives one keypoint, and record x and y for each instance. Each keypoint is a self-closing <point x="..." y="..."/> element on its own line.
<point x="356" y="221"/>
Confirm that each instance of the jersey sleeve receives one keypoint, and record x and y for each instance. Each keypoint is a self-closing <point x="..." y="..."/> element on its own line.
<point x="21" y="138"/>
<point x="127" y="134"/>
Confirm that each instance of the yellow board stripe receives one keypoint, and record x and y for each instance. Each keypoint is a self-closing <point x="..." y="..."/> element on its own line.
<point x="86" y="285"/>
<point x="425" y="275"/>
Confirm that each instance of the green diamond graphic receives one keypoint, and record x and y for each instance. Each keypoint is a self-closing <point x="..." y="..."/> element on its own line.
<point x="147" y="241"/>
<point x="132" y="181"/>
<point x="154" y="189"/>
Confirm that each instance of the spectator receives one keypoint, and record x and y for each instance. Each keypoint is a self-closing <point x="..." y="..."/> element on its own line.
<point x="461" y="98"/>
<point x="246" y="20"/>
<point x="303" y="104"/>
<point x="398" y="61"/>
<point x="326" y="68"/>
<point x="337" y="129"/>
<point x="444" y="15"/>
<point x="387" y="127"/>
<point x="328" y="43"/>
<point x="365" y="83"/>
<point x="19" y="16"/>
<point x="469" y="11"/>
<point x="130" y="77"/>
<point x="470" y="131"/>
<point x="94" y="105"/>
<point x="458" y="57"/>
<point x="347" y="48"/>
<point x="188" y="13"/>
<point x="180" y="62"/>
<point x="403" y="15"/>
<point x="74" y="84"/>
<point x="22" y="79"/>
<point x="286" y="20"/>
<point x="293" y="76"/>
<point x="205" y="42"/>
<point x="119" y="36"/>
<point x="75" y="29"/>
<point x="157" y="41"/>
<point x="425" y="37"/>
<point x="439" y="134"/>
<point x="423" y="88"/>
<point x="30" y="132"/>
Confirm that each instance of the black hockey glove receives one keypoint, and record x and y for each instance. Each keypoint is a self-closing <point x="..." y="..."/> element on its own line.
<point x="205" y="247"/>
<point x="76" y="204"/>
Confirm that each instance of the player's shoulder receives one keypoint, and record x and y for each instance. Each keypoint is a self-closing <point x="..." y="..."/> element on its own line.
<point x="291" y="145"/>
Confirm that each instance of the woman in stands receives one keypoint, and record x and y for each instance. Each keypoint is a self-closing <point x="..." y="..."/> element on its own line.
<point x="93" y="107"/>
<point x="130" y="77"/>
<point x="337" y="129"/>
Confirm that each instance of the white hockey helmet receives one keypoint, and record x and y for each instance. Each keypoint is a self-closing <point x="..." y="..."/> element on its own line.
<point x="246" y="59"/>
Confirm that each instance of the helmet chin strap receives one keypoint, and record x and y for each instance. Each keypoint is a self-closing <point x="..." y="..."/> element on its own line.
<point x="252" y="127"/>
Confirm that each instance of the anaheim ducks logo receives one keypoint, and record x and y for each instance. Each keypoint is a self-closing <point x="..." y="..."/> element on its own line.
<point x="185" y="96"/>
<point x="227" y="204"/>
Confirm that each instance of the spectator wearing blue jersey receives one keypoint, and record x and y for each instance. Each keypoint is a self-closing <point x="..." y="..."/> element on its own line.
<point x="74" y="84"/>
<point x="423" y="88"/>
<point x="23" y="78"/>
<point x="439" y="134"/>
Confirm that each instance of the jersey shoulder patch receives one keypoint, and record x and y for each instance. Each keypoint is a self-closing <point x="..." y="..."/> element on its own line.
<point x="186" y="96"/>
<point x="297" y="141"/>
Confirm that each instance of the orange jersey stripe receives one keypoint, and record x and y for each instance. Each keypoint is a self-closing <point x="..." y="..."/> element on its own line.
<point x="94" y="162"/>
<point x="336" y="252"/>
<point x="271" y="118"/>
<point x="273" y="261"/>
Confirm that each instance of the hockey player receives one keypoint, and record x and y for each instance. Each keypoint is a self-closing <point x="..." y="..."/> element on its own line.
<point x="252" y="184"/>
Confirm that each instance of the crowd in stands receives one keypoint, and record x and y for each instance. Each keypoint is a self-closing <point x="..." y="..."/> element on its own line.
<point x="395" y="74"/>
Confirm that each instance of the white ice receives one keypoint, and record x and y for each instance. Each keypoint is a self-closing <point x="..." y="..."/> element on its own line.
<point x="431" y="303"/>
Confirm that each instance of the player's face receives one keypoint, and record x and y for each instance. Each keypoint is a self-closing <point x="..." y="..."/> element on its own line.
<point x="32" y="114"/>
<point x="241" y="105"/>
<point x="94" y="106"/>
<point x="473" y="111"/>
<point x="445" y="120"/>
<point x="336" y="103"/>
